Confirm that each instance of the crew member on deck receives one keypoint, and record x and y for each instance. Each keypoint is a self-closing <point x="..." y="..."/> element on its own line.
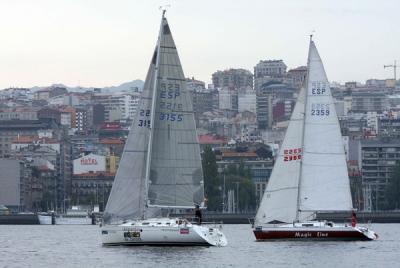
<point x="353" y="219"/>
<point x="197" y="214"/>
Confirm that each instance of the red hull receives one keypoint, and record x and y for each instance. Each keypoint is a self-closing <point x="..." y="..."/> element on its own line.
<point x="322" y="234"/>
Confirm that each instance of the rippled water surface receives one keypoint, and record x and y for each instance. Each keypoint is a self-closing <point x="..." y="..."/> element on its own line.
<point x="79" y="246"/>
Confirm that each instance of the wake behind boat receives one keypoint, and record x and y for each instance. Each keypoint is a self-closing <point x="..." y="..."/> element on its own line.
<point x="160" y="170"/>
<point x="310" y="174"/>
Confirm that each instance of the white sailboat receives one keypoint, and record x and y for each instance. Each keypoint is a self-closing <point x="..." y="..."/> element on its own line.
<point x="160" y="169"/>
<point x="310" y="174"/>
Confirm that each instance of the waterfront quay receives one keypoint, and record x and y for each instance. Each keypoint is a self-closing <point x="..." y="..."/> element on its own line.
<point x="245" y="218"/>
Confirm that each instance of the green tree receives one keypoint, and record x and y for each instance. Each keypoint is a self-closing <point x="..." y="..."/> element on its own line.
<point x="240" y="177"/>
<point x="393" y="189"/>
<point x="212" y="182"/>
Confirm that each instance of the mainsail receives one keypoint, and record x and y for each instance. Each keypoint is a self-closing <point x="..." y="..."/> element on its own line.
<point x="310" y="173"/>
<point x="325" y="182"/>
<point x="171" y="174"/>
<point x="176" y="176"/>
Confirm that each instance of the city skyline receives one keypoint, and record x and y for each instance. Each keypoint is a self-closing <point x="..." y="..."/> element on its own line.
<point x="99" y="43"/>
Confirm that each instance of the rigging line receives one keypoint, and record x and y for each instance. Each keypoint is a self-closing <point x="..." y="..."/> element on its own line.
<point x="152" y="113"/>
<point x="300" y="176"/>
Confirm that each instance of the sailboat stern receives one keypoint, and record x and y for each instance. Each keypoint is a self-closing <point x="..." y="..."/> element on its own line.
<point x="368" y="233"/>
<point x="213" y="236"/>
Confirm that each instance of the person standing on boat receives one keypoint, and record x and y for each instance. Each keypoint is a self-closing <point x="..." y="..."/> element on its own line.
<point x="353" y="219"/>
<point x="197" y="214"/>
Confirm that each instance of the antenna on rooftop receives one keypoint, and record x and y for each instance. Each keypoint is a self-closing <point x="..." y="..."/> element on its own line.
<point x="394" y="66"/>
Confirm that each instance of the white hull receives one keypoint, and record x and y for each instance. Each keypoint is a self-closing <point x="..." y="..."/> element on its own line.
<point x="163" y="231"/>
<point x="65" y="220"/>
<point x="73" y="220"/>
<point x="44" y="219"/>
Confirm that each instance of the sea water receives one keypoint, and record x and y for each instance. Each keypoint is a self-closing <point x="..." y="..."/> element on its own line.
<point x="80" y="246"/>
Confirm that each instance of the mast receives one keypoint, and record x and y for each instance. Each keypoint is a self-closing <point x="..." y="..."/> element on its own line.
<point x="302" y="138"/>
<point x="152" y="115"/>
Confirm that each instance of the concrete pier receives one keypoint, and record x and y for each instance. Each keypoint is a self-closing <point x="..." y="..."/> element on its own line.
<point x="19" y="219"/>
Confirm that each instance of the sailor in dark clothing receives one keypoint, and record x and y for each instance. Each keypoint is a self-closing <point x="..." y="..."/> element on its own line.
<point x="197" y="214"/>
<point x="353" y="219"/>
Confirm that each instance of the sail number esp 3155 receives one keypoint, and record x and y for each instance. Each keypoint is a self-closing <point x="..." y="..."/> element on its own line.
<point x="168" y="106"/>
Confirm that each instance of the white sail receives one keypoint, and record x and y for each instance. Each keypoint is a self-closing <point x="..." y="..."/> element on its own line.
<point x="127" y="197"/>
<point x="324" y="184"/>
<point x="279" y="203"/>
<point x="176" y="176"/>
<point x="316" y="179"/>
<point x="171" y="175"/>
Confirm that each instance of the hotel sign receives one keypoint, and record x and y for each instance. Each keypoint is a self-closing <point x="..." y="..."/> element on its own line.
<point x="89" y="163"/>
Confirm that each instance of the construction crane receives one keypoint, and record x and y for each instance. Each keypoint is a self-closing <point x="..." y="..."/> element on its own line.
<point x="394" y="66"/>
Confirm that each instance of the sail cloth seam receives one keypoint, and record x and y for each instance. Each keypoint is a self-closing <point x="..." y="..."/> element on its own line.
<point x="329" y="153"/>
<point x="166" y="200"/>
<point x="172" y="79"/>
<point x="280" y="189"/>
<point x="320" y="124"/>
<point x="168" y="47"/>
<point x="174" y="167"/>
<point x="164" y="184"/>
<point x="169" y="52"/>
<point x="169" y="64"/>
<point x="315" y="165"/>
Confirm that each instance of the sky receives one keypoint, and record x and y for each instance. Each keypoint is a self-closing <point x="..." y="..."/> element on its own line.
<point x="98" y="43"/>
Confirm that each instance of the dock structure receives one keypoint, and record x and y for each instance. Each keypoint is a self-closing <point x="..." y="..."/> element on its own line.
<point x="19" y="219"/>
<point x="246" y="218"/>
